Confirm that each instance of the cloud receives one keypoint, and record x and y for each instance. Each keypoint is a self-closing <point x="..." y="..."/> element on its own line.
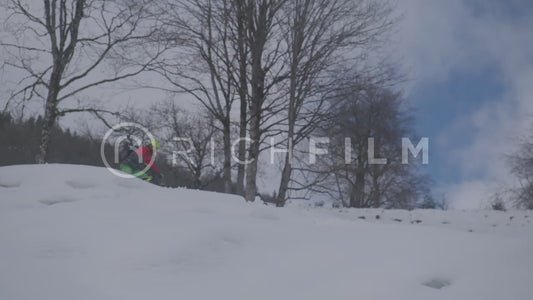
<point x="442" y="38"/>
<point x="478" y="192"/>
<point x="435" y="40"/>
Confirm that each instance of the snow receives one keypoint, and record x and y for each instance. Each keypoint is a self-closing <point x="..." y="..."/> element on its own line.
<point x="79" y="232"/>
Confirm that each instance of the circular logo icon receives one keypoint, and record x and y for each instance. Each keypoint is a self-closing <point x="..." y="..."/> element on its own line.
<point x="123" y="127"/>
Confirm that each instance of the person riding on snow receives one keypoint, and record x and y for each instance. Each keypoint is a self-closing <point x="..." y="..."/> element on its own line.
<point x="136" y="161"/>
<point x="146" y="153"/>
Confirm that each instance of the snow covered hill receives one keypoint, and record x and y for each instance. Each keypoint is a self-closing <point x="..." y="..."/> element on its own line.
<point x="78" y="232"/>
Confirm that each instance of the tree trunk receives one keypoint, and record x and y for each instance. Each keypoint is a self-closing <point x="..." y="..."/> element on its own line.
<point x="285" y="178"/>
<point x="243" y="93"/>
<point x="251" y="170"/>
<point x="242" y="135"/>
<point x="227" y="158"/>
<point x="258" y="96"/>
<point x="376" y="195"/>
<point x="358" y="198"/>
<point x="287" y="168"/>
<point x="352" y="200"/>
<point x="48" y="123"/>
<point x="49" y="113"/>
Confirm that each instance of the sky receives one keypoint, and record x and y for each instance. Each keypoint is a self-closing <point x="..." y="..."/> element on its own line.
<point x="470" y="65"/>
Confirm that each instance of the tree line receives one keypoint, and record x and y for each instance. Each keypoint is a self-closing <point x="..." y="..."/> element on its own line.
<point x="69" y="147"/>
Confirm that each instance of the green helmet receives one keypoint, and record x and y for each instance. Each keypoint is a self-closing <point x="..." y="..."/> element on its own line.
<point x="155" y="144"/>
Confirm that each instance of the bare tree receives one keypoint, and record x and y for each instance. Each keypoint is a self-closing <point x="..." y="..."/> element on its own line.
<point x="319" y="35"/>
<point x="521" y="165"/>
<point x="205" y="64"/>
<point x="265" y="42"/>
<point x="242" y="85"/>
<point x="61" y="50"/>
<point x="273" y="56"/>
<point x="366" y="126"/>
<point x="227" y="49"/>
<point x="191" y="139"/>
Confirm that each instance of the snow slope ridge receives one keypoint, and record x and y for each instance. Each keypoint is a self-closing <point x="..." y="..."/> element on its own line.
<point x="78" y="232"/>
<point x="514" y="222"/>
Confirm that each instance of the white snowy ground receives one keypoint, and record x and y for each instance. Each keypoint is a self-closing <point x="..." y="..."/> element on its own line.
<point x="77" y="232"/>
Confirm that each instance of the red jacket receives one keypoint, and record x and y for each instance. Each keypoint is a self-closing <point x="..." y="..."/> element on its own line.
<point x="146" y="154"/>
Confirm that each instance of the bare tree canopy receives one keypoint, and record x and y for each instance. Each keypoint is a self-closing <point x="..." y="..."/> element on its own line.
<point x="321" y="36"/>
<point x="521" y="166"/>
<point x="59" y="46"/>
<point x="364" y="165"/>
<point x="273" y="58"/>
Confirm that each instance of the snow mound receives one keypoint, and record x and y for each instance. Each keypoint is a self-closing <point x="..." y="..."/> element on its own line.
<point x="80" y="184"/>
<point x="57" y="199"/>
<point x="437" y="283"/>
<point x="79" y="232"/>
